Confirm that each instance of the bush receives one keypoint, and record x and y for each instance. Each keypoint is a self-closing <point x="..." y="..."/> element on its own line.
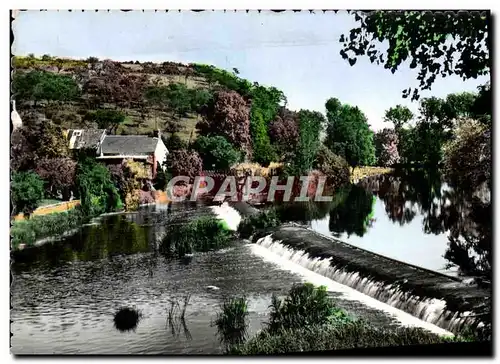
<point x="334" y="167"/>
<point x="44" y="226"/>
<point x="249" y="225"/>
<point x="467" y="158"/>
<point x="203" y="234"/>
<point x="351" y="335"/>
<point x="184" y="163"/>
<point x="231" y="321"/>
<point x="26" y="191"/>
<point x="305" y="305"/>
<point x="216" y="152"/>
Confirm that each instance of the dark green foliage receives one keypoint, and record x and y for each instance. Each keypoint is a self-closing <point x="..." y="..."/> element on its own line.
<point x="265" y="104"/>
<point x="334" y="167"/>
<point x="357" y="334"/>
<point x="106" y="118"/>
<point x="162" y="178"/>
<point x="354" y="215"/>
<point x="482" y="107"/>
<point x="436" y="43"/>
<point x="40" y="85"/>
<point x="310" y="126"/>
<point x="216" y="76"/>
<point x="175" y="97"/>
<point x="305" y="305"/>
<point x="231" y="321"/>
<point x="174" y="142"/>
<point x="42" y="226"/>
<point x="202" y="234"/>
<point x="96" y="189"/>
<point x="348" y="134"/>
<point x="26" y="190"/>
<point x="398" y="115"/>
<point x="216" y="152"/>
<point x="250" y="224"/>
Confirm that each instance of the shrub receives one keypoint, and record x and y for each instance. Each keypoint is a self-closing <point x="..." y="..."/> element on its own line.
<point x="184" y="163"/>
<point x="305" y="305"/>
<point x="26" y="191"/>
<point x="203" y="234"/>
<point x="467" y="158"/>
<point x="231" y="321"/>
<point x="386" y="147"/>
<point x="216" y="152"/>
<point x="351" y="335"/>
<point x="250" y="224"/>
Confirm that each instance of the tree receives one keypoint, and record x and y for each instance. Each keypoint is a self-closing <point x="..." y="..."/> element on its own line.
<point x="284" y="133"/>
<point x="59" y="175"/>
<point x="96" y="189"/>
<point x="334" y="167"/>
<point x="229" y="117"/>
<point x="398" y="116"/>
<point x="348" y="134"/>
<point x="467" y="157"/>
<point x="435" y="43"/>
<point x="216" y="152"/>
<point x="310" y="125"/>
<point x="184" y="163"/>
<point x="265" y="105"/>
<point x="174" y="142"/>
<point x="40" y="85"/>
<point x="26" y="191"/>
<point x="106" y="118"/>
<point x="386" y="147"/>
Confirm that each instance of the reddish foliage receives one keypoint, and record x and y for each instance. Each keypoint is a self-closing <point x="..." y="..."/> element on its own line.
<point x="284" y="131"/>
<point x="145" y="197"/>
<point x="59" y="173"/>
<point x="184" y="163"/>
<point x="228" y="116"/>
<point x="386" y="142"/>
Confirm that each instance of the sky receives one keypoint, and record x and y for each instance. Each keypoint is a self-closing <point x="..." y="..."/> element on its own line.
<point x="297" y="53"/>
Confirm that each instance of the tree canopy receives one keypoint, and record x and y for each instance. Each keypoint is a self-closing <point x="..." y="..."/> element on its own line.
<point x="436" y="43"/>
<point x="26" y="191"/>
<point x="348" y="134"/>
<point x="398" y="116"/>
<point x="216" y="152"/>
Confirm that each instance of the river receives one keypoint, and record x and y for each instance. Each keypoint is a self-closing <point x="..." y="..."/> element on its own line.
<point x="65" y="294"/>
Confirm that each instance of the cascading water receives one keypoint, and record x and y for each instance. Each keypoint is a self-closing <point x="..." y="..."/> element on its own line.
<point x="429" y="310"/>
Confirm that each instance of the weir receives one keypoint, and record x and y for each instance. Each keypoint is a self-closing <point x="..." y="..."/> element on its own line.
<point x="442" y="300"/>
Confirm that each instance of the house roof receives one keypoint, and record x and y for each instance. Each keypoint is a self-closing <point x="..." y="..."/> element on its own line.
<point x="88" y="138"/>
<point x="128" y="145"/>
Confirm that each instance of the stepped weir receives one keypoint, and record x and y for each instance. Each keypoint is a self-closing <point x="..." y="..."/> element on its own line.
<point x="433" y="297"/>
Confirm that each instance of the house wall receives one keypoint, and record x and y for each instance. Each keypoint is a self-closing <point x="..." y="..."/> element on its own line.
<point x="161" y="153"/>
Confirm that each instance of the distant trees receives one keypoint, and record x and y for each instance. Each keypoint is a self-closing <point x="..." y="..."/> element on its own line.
<point x="26" y="191"/>
<point x="398" y="116"/>
<point x="216" y="152"/>
<point x="106" y="118"/>
<point x="36" y="86"/>
<point x="348" y="134"/>
<point x="334" y="167"/>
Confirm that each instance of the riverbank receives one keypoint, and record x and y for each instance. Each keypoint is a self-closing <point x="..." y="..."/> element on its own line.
<point x="358" y="173"/>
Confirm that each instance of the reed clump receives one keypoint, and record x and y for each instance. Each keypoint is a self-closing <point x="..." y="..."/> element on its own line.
<point x="203" y="234"/>
<point x="231" y="321"/>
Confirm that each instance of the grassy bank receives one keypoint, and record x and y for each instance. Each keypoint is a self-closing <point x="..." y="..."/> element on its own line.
<point x="38" y="227"/>
<point x="363" y="172"/>
<point x="307" y="319"/>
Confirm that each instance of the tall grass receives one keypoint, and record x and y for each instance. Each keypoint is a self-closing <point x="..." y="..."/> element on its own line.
<point x="43" y="226"/>
<point x="231" y="321"/>
<point x="351" y="335"/>
<point x="202" y="234"/>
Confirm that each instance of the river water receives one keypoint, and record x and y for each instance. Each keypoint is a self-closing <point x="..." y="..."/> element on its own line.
<point x="65" y="294"/>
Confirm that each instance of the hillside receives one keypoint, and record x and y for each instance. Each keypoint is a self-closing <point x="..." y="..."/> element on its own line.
<point x="142" y="115"/>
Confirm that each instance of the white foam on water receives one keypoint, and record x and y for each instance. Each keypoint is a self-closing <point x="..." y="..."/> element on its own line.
<point x="294" y="265"/>
<point x="228" y="214"/>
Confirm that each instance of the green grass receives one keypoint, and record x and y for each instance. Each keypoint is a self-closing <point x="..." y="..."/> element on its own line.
<point x="251" y="224"/>
<point x="231" y="321"/>
<point x="351" y="335"/>
<point x="43" y="226"/>
<point x="48" y="202"/>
